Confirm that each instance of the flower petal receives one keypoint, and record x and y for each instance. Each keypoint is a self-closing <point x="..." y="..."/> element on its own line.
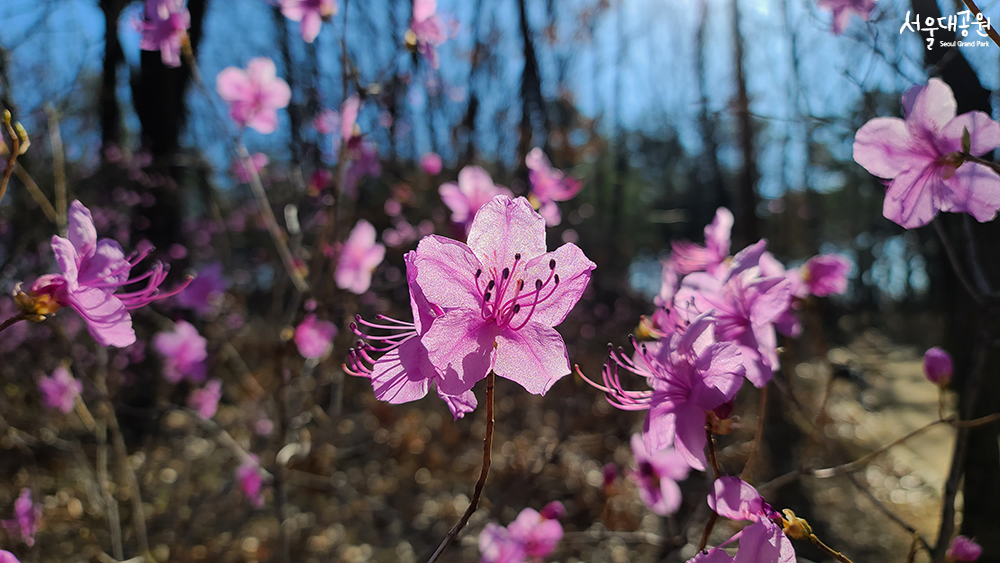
<point x="984" y="133"/>
<point x="505" y="227"/>
<point x="659" y="427"/>
<point x="67" y="258"/>
<point x="233" y="84"/>
<point x="909" y="201"/>
<point x="460" y="345"/>
<point x="689" y="440"/>
<point x="533" y="356"/>
<point x="398" y="377"/>
<point x="459" y="405"/>
<point x="883" y="146"/>
<point x="573" y="269"/>
<point x="933" y="107"/>
<point x="107" y="319"/>
<point x="446" y="271"/>
<point x="734" y="498"/>
<point x="80" y="230"/>
<point x="973" y="189"/>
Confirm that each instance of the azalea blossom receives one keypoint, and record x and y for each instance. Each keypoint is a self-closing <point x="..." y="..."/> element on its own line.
<point x="501" y="294"/>
<point x="205" y="292"/>
<point x="251" y="483"/>
<point x="842" y="10"/>
<point x="7" y="557"/>
<point x="963" y="549"/>
<point x="184" y="353"/>
<point x="431" y="163"/>
<point x="426" y="30"/>
<point x="474" y="189"/>
<point x="314" y="338"/>
<point x="164" y="25"/>
<point x="254" y="95"/>
<point x="548" y="186"/>
<point x="938" y="366"/>
<point x="921" y="155"/>
<point x="26" y="515"/>
<point x="688" y="257"/>
<point x="310" y="13"/>
<point x="657" y="477"/>
<point x="60" y="390"/>
<point x="531" y="536"/>
<point x="206" y="400"/>
<point x="403" y="372"/>
<point x="93" y="270"/>
<point x="826" y="274"/>
<point x="761" y="542"/>
<point x="359" y="258"/>
<point x="689" y="374"/>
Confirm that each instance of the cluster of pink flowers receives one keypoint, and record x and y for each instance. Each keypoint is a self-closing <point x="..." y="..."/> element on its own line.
<point x="489" y="305"/>
<point x="359" y="257"/>
<point x="764" y="541"/>
<point x="254" y="95"/>
<point x="427" y="30"/>
<point x="164" y="25"/>
<point x="530" y="537"/>
<point x="474" y="189"/>
<point x="60" y="391"/>
<point x="310" y="14"/>
<point x="548" y="186"/>
<point x="92" y="272"/>
<point x="184" y="353"/>
<point x="362" y="155"/>
<point x="26" y="516"/>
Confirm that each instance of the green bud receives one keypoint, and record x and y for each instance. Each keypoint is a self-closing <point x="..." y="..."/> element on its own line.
<point x="966" y="140"/>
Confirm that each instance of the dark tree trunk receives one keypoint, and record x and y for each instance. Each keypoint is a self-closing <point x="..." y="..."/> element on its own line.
<point x="746" y="230"/>
<point x="532" y="104"/>
<point x="111" y="115"/>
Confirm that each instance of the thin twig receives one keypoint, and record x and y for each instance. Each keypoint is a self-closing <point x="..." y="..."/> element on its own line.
<point x="15" y="150"/>
<point x="487" y="460"/>
<point x="35" y="192"/>
<point x="955" y="264"/>
<point x="990" y="31"/>
<point x="892" y="516"/>
<point x="58" y="167"/>
<point x="747" y="474"/>
<point x="226" y="440"/>
<point x="714" y="460"/>
<point x="828" y="472"/>
<point x="829" y="550"/>
<point x="11" y="321"/>
<point x="110" y="503"/>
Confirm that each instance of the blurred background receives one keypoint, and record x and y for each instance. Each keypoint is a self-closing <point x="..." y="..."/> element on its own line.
<point x="665" y="109"/>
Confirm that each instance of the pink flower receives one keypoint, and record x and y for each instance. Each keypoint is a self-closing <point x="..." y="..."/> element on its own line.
<point x="7" y="557"/>
<point x="251" y="483"/>
<point x="92" y="271"/>
<point x="689" y="373"/>
<point x="311" y="13"/>
<point x="531" y="536"/>
<point x="26" y="516"/>
<point x="205" y="292"/>
<point x="938" y="366"/>
<point x="842" y="10"/>
<point x="431" y="163"/>
<point x="501" y="295"/>
<point x="826" y="274"/>
<point x="184" y="353"/>
<point x="688" y="257"/>
<point x="206" y="399"/>
<point x="761" y="542"/>
<point x="963" y="549"/>
<point x="428" y="31"/>
<point x="60" y="390"/>
<point x="258" y="161"/>
<point x="314" y="338"/>
<point x="919" y="154"/>
<point x="254" y="95"/>
<point x="657" y="477"/>
<point x="358" y="259"/>
<point x="164" y="24"/>
<point x="404" y="372"/>
<point x="549" y="185"/>
<point x="473" y="190"/>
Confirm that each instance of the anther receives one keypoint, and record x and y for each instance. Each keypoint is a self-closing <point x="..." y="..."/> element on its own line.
<point x="556" y="278"/>
<point x="479" y="272"/>
<point x="552" y="264"/>
<point x="506" y="273"/>
<point x="520" y="285"/>
<point x="517" y="256"/>
<point x="487" y="296"/>
<point x="491" y="285"/>
<point x="538" y="285"/>
<point x="517" y="308"/>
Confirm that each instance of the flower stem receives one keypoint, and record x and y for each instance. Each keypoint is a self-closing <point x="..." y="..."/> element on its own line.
<point x="955" y="265"/>
<point x="11" y="321"/>
<point x="829" y="550"/>
<point x="714" y="459"/>
<point x="747" y="473"/>
<point x="487" y="460"/>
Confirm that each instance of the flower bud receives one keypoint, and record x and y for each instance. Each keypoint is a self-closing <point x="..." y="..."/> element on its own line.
<point x="553" y="511"/>
<point x="938" y="366"/>
<point x="963" y="549"/>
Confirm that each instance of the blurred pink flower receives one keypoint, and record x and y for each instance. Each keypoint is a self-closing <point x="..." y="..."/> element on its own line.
<point x="921" y="156"/>
<point x="314" y="338"/>
<point x="7" y="557"/>
<point x="251" y="483"/>
<point x="206" y="399"/>
<point x="164" y="24"/>
<point x="184" y="353"/>
<point x="358" y="259"/>
<point x="254" y="95"/>
<point x="530" y="537"/>
<point x="473" y="190"/>
<point x="549" y="185"/>
<point x="92" y="271"/>
<point x="26" y="515"/>
<point x="310" y="13"/>
<point x="842" y="10"/>
<point x="502" y="294"/>
<point x="657" y="475"/>
<point x="938" y="366"/>
<point x="428" y="30"/>
<point x="688" y="257"/>
<point x="431" y="163"/>
<point x="826" y="274"/>
<point x="258" y="161"/>
<point x="60" y="390"/>
<point x="963" y="549"/>
<point x="205" y="292"/>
